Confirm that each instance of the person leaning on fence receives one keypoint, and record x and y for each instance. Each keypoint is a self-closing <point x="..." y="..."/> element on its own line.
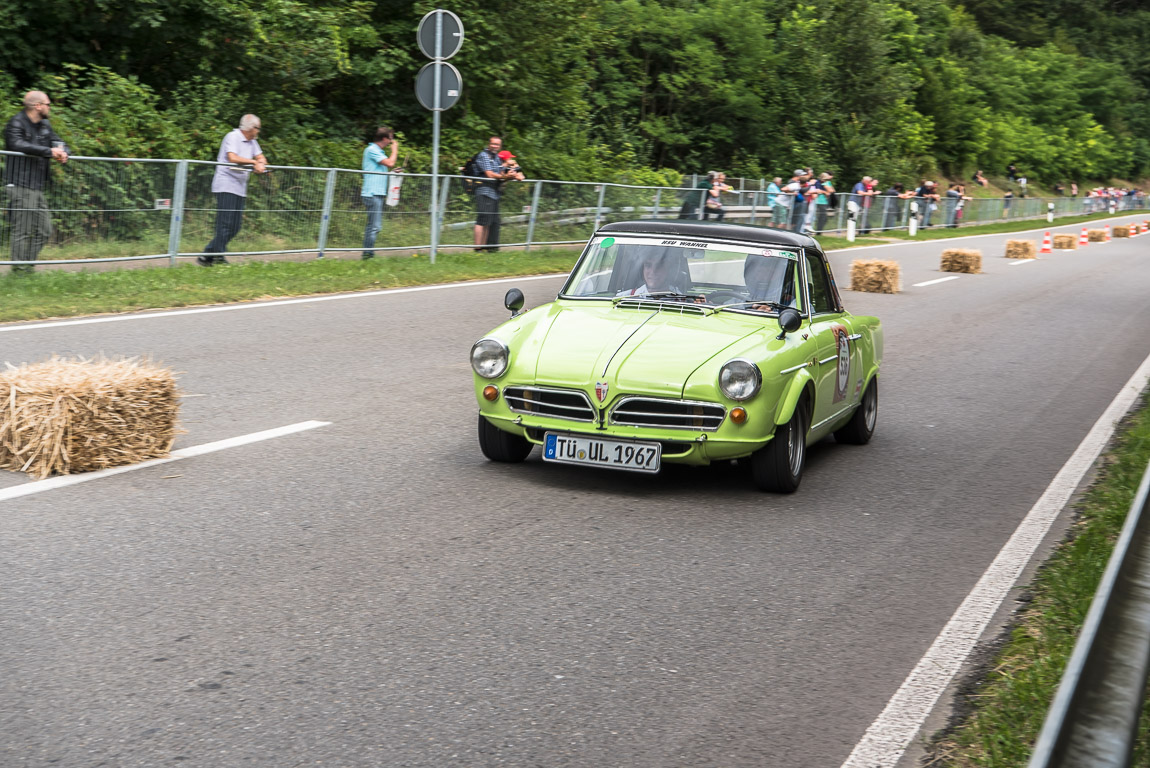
<point x="775" y="200"/>
<point x="693" y="201"/>
<point x="30" y="133"/>
<point x="892" y="205"/>
<point x="230" y="185"/>
<point x="374" y="191"/>
<point x="713" y="204"/>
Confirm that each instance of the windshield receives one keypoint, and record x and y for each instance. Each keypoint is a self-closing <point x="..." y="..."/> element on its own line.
<point x="751" y="278"/>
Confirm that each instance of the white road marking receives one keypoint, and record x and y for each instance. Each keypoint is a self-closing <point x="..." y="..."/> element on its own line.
<point x="262" y="304"/>
<point x="932" y="282"/>
<point x="1016" y="262"/>
<point x="62" y="481"/>
<point x="887" y="738"/>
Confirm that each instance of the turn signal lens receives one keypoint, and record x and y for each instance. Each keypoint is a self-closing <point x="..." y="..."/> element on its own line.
<point x="738" y="415"/>
<point x="490" y="393"/>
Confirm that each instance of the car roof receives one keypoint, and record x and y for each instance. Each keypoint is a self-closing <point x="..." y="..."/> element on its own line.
<point x="707" y="230"/>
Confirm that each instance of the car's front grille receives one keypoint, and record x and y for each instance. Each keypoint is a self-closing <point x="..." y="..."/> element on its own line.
<point x="667" y="414"/>
<point x="556" y="403"/>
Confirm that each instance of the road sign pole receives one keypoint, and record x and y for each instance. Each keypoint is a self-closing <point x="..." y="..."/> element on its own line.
<point x="435" y="138"/>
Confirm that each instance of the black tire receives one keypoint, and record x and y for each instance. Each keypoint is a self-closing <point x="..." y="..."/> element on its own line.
<point x="778" y="466"/>
<point x="498" y="445"/>
<point x="859" y="429"/>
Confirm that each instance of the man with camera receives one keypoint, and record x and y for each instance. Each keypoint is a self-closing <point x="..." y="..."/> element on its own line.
<point x="498" y="166"/>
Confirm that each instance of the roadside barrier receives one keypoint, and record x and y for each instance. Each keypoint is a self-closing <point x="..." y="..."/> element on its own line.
<point x="967" y="260"/>
<point x="1093" y="720"/>
<point x="1122" y="230"/>
<point x="1097" y="235"/>
<point x="1065" y="242"/>
<point x="132" y="209"/>
<point x="1025" y="249"/>
<point x="876" y="276"/>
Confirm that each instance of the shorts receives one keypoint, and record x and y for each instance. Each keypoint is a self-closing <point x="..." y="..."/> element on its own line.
<point x="488" y="210"/>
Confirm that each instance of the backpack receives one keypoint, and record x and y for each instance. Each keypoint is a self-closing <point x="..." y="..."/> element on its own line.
<point x="471" y="168"/>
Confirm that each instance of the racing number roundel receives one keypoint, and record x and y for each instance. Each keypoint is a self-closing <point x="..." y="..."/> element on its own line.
<point x="843" y="346"/>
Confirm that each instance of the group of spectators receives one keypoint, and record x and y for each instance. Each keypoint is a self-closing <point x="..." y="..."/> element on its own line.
<point x="30" y="133"/>
<point x="804" y="202"/>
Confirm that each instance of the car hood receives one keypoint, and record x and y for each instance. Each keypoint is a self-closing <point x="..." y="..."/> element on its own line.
<point x="633" y="350"/>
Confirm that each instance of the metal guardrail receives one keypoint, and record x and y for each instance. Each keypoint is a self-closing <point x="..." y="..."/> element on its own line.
<point x="136" y="209"/>
<point x="1093" y="720"/>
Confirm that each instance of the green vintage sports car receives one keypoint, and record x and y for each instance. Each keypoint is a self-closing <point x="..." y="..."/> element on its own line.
<point x="682" y="342"/>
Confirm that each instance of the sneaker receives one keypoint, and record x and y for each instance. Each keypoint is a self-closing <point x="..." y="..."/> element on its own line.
<point x="221" y="260"/>
<point x="367" y="255"/>
<point x="204" y="261"/>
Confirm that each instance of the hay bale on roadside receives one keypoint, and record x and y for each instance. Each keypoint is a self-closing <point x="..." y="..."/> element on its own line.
<point x="1121" y="230"/>
<point x="1021" y="249"/>
<point x="1096" y="235"/>
<point x="968" y="260"/>
<point x="63" y="416"/>
<point x="1066" y="242"/>
<point x="876" y="276"/>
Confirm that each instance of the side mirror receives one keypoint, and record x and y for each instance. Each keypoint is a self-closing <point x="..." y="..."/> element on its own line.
<point x="513" y="301"/>
<point x="789" y="321"/>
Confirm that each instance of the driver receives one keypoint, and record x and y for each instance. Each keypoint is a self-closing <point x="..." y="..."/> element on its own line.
<point x="657" y="269"/>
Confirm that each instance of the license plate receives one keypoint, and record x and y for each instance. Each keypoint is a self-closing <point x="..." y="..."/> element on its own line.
<point x="598" y="452"/>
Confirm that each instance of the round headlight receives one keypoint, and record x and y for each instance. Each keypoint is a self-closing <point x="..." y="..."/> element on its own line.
<point x="489" y="358"/>
<point x="740" y="379"/>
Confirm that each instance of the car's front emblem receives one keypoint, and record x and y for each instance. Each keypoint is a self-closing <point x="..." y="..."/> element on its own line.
<point x="601" y="390"/>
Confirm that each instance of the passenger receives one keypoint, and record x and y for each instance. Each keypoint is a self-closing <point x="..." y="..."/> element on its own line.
<point x="770" y="280"/>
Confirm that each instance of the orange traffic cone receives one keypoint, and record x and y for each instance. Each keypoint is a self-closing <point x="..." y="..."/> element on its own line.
<point x="1107" y="228"/>
<point x="1047" y="243"/>
<point x="1084" y="238"/>
<point x="1145" y="227"/>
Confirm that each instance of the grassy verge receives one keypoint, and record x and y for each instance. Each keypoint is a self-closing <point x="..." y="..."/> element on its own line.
<point x="941" y="233"/>
<point x="1005" y="710"/>
<point x="60" y="294"/>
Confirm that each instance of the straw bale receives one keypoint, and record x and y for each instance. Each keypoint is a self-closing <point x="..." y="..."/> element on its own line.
<point x="62" y="416"/>
<point x="1121" y="230"/>
<point x="967" y="260"/>
<point x="1096" y="235"/>
<point x="1065" y="242"/>
<point x="1021" y="249"/>
<point x="875" y="276"/>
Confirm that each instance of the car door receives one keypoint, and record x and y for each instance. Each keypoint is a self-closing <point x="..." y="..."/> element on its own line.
<point x="837" y="360"/>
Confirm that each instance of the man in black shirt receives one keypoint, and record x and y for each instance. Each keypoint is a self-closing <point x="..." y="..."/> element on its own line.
<point x="30" y="133"/>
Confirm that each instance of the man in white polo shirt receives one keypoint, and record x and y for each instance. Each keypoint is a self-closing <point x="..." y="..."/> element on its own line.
<point x="230" y="185"/>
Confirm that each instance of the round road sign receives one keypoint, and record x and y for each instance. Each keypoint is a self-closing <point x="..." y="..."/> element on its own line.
<point x="450" y="86"/>
<point x="452" y="34"/>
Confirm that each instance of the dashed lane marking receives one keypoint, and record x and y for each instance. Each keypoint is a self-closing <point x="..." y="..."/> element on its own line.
<point x="52" y="483"/>
<point x="933" y="282"/>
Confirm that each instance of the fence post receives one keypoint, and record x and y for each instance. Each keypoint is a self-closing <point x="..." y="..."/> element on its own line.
<point x="754" y="205"/>
<point x="176" y="227"/>
<point x="444" y="188"/>
<point x="599" y="206"/>
<point x="658" y="196"/>
<point x="531" y="215"/>
<point x="325" y="220"/>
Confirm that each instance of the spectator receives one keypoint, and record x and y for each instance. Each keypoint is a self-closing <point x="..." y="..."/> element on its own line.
<point x="1074" y="189"/>
<point x="892" y="208"/>
<point x="30" y="133"/>
<point x="781" y="208"/>
<point x="796" y="191"/>
<point x="1059" y="189"/>
<point x="1007" y="199"/>
<point x="862" y="194"/>
<point x="489" y="194"/>
<point x="773" y="192"/>
<point x="979" y="178"/>
<point x="375" y="184"/>
<point x="1011" y="172"/>
<point x="713" y="205"/>
<point x="928" y="199"/>
<point x="230" y="185"/>
<point x="825" y="188"/>
<point x="955" y="201"/>
<point x="694" y="199"/>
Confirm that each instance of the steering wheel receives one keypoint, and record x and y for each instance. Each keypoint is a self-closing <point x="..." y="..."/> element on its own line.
<point x="725" y="297"/>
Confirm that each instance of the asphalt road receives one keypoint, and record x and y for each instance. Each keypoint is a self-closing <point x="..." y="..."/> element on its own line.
<point x="374" y="593"/>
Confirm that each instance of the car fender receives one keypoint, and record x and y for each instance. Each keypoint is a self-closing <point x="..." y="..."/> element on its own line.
<point x="793" y="393"/>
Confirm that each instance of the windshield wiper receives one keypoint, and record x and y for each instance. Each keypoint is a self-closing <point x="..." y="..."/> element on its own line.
<point x="776" y="306"/>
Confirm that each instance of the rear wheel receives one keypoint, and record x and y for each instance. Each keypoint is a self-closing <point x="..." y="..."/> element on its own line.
<point x="498" y="445"/>
<point x="778" y="466"/>
<point x="859" y="429"/>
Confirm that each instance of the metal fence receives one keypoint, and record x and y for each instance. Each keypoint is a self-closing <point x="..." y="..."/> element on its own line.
<point x="116" y="209"/>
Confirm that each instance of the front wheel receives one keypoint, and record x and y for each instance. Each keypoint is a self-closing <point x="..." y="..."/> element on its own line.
<point x="859" y="429"/>
<point x="778" y="466"/>
<point x="498" y="445"/>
